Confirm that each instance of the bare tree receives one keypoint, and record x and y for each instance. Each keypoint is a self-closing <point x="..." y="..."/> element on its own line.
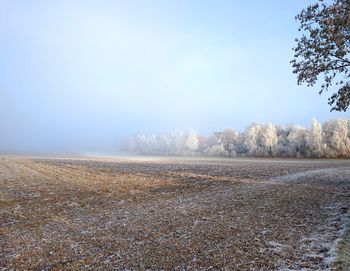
<point x="324" y="50"/>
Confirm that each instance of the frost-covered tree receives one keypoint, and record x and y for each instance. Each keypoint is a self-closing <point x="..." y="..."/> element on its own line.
<point x="251" y="139"/>
<point x="212" y="141"/>
<point x="260" y="140"/>
<point x="216" y="151"/>
<point x="192" y="141"/>
<point x="140" y="141"/>
<point x="330" y="140"/>
<point x="151" y="145"/>
<point x="335" y="138"/>
<point x="314" y="139"/>
<point x="228" y="139"/>
<point x="130" y="144"/>
<point x="202" y="144"/>
<point x="213" y="146"/>
<point x="240" y="147"/>
<point x="292" y="141"/>
<point x="282" y="141"/>
<point x="297" y="141"/>
<point x="268" y="139"/>
<point x="180" y="142"/>
<point x="164" y="142"/>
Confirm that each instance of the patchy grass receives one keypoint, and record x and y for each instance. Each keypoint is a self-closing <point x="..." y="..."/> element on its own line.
<point x="341" y="260"/>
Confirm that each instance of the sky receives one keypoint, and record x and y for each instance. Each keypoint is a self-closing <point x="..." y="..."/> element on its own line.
<point x="80" y="75"/>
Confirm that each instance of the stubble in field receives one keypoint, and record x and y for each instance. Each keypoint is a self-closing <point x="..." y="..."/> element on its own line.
<point x="240" y="214"/>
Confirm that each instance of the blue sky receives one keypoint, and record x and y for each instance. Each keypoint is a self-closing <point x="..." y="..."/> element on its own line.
<point x="78" y="75"/>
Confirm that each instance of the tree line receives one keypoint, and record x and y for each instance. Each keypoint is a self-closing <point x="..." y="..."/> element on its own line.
<point x="329" y="140"/>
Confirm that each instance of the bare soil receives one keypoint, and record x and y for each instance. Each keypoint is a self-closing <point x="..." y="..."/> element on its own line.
<point x="172" y="214"/>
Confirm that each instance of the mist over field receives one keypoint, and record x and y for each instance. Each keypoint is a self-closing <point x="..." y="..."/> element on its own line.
<point x="174" y="135"/>
<point x="78" y="76"/>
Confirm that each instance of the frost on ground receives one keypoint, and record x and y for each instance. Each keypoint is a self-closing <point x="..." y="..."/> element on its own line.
<point x="328" y="247"/>
<point x="341" y="248"/>
<point x="177" y="214"/>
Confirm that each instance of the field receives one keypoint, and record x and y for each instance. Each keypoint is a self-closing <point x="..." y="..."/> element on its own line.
<point x="173" y="214"/>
